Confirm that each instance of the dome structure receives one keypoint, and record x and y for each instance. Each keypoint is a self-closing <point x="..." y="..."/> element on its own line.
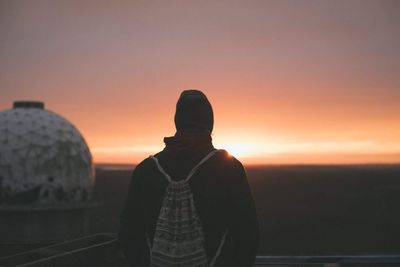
<point x="44" y="160"/>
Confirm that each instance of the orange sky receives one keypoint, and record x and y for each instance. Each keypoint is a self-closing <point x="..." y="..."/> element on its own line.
<point x="289" y="81"/>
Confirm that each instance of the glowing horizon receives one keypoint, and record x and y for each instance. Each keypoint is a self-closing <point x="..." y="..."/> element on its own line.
<point x="358" y="152"/>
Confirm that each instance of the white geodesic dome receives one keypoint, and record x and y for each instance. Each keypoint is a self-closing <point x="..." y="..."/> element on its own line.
<point x="43" y="158"/>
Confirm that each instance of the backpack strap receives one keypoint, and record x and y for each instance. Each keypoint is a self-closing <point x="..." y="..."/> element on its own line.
<point x="209" y="155"/>
<point x="161" y="169"/>
<point x="212" y="263"/>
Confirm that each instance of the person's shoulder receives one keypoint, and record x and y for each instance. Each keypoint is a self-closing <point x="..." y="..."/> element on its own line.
<point x="144" y="165"/>
<point x="228" y="160"/>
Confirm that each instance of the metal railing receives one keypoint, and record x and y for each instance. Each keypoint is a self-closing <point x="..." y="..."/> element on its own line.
<point x="327" y="261"/>
<point x="95" y="250"/>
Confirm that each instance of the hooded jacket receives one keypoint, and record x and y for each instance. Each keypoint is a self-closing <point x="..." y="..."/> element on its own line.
<point x="222" y="198"/>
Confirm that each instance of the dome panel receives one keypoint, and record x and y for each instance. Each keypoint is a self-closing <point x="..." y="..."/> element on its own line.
<point x="43" y="158"/>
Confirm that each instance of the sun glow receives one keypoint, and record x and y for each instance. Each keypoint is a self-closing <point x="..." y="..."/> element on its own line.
<point x="240" y="150"/>
<point x="314" y="153"/>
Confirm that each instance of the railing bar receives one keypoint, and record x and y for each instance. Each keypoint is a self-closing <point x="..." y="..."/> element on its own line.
<point x="329" y="259"/>
<point x="60" y="244"/>
<point x="69" y="252"/>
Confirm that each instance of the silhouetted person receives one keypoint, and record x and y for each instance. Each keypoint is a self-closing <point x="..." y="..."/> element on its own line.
<point x="190" y="204"/>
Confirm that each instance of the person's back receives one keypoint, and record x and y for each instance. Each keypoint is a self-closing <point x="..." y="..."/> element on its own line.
<point x="221" y="193"/>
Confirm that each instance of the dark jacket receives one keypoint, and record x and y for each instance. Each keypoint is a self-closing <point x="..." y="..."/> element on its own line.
<point x="222" y="197"/>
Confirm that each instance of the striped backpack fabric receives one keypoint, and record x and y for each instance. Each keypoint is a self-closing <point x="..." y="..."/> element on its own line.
<point x="178" y="238"/>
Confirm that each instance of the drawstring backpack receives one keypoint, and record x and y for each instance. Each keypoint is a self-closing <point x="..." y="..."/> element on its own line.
<point x="178" y="238"/>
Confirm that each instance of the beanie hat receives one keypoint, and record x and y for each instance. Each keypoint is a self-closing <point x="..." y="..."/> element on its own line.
<point x="194" y="112"/>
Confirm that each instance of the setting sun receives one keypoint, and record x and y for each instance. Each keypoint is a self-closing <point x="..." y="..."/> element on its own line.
<point x="240" y="150"/>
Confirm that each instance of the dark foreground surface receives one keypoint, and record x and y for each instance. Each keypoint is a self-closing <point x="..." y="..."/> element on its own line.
<point x="101" y="250"/>
<point x="303" y="210"/>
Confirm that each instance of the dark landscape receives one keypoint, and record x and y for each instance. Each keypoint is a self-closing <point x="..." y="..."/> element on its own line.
<point x="303" y="209"/>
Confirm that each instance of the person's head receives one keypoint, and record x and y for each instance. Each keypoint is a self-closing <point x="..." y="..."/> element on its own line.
<point x="194" y="113"/>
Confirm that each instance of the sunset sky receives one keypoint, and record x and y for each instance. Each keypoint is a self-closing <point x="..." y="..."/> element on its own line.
<point x="289" y="81"/>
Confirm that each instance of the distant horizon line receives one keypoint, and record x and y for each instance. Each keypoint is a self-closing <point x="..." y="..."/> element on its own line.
<point x="274" y="164"/>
